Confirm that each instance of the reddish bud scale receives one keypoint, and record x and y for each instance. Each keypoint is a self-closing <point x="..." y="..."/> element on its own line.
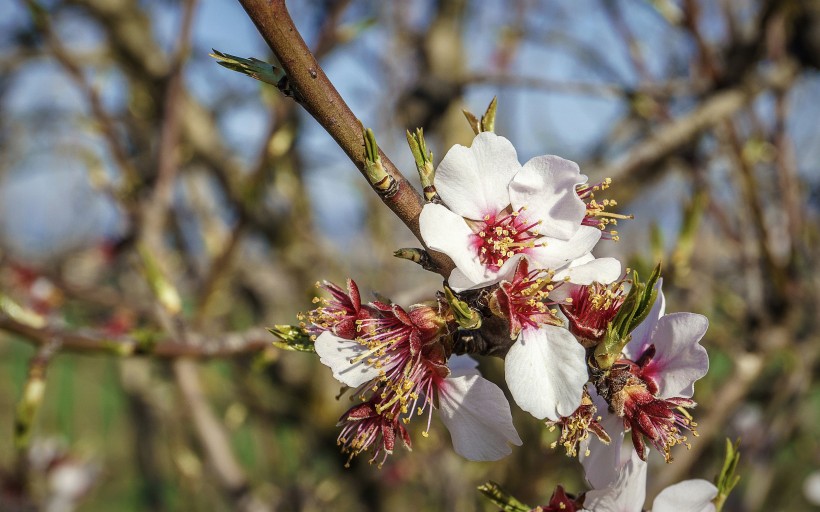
<point x="559" y="502"/>
<point x="339" y="314"/>
<point x="632" y="395"/>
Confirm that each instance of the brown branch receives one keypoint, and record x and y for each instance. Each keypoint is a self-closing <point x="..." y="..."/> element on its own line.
<point x="94" y="341"/>
<point x="320" y="98"/>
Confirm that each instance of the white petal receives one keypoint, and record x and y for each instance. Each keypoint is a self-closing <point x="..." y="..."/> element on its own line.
<point x="545" y="186"/>
<point x="626" y="494"/>
<point x="462" y="363"/>
<point x="337" y="353"/>
<point x="447" y="232"/>
<point x="599" y="270"/>
<point x="556" y="253"/>
<point x="642" y="334"/>
<point x="459" y="282"/>
<point x="688" y="496"/>
<point x="602" y="463"/>
<point x="546" y="372"/>
<point x="679" y="359"/>
<point x="477" y="414"/>
<point x="473" y="181"/>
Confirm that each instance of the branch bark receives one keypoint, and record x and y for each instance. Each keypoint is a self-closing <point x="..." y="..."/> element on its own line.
<point x="320" y="98"/>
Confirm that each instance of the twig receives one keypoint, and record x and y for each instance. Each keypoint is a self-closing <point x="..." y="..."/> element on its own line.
<point x="91" y="341"/>
<point x="30" y="402"/>
<point x="320" y="98"/>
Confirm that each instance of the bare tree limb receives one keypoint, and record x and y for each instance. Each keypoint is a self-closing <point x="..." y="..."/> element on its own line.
<point x="320" y="98"/>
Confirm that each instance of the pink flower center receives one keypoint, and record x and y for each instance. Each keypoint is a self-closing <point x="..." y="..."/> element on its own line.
<point x="499" y="237"/>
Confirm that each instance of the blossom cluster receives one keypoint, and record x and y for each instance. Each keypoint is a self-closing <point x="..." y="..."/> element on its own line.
<point x="587" y="345"/>
<point x="399" y="365"/>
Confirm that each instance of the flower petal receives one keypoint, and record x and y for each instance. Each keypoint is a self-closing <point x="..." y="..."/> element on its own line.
<point x="642" y="334"/>
<point x="687" y="496"/>
<point x="458" y="282"/>
<point x="337" y="353"/>
<point x="477" y="414"/>
<point x="556" y="253"/>
<point x="473" y="181"/>
<point x="462" y="364"/>
<point x="679" y="359"/>
<point x="447" y="232"/>
<point x="545" y="186"/>
<point x="597" y="270"/>
<point x="626" y="494"/>
<point x="546" y="372"/>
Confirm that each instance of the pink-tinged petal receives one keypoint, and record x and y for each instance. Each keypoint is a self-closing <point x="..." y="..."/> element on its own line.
<point x="601" y="461"/>
<point x="679" y="360"/>
<point x="597" y="270"/>
<point x="626" y="494"/>
<point x="337" y="354"/>
<point x="545" y="187"/>
<point x="473" y="181"/>
<point x="555" y="253"/>
<point x="642" y="335"/>
<point x="546" y="372"/>
<point x="688" y="496"/>
<point x="446" y="232"/>
<point x="460" y="282"/>
<point x="477" y="414"/>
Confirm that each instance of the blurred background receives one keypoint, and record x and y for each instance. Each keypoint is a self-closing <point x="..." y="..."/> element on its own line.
<point x="117" y="128"/>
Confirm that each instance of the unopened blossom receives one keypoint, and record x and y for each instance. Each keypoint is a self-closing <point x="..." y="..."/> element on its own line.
<point x="626" y="492"/>
<point x="652" y="385"/>
<point x="497" y="211"/>
<point x="545" y="367"/>
<point x="399" y="368"/>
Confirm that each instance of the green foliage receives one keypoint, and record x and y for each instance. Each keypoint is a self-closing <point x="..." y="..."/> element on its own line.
<point x="466" y="317"/>
<point x="254" y="68"/>
<point x="635" y="309"/>
<point x="291" y="337"/>
<point x="487" y="121"/>
<point x="727" y="479"/>
<point x="502" y="498"/>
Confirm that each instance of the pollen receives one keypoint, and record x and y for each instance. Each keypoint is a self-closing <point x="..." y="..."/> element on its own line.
<point x="500" y="237"/>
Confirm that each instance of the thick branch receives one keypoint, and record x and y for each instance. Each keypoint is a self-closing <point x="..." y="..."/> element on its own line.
<point x="320" y="98"/>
